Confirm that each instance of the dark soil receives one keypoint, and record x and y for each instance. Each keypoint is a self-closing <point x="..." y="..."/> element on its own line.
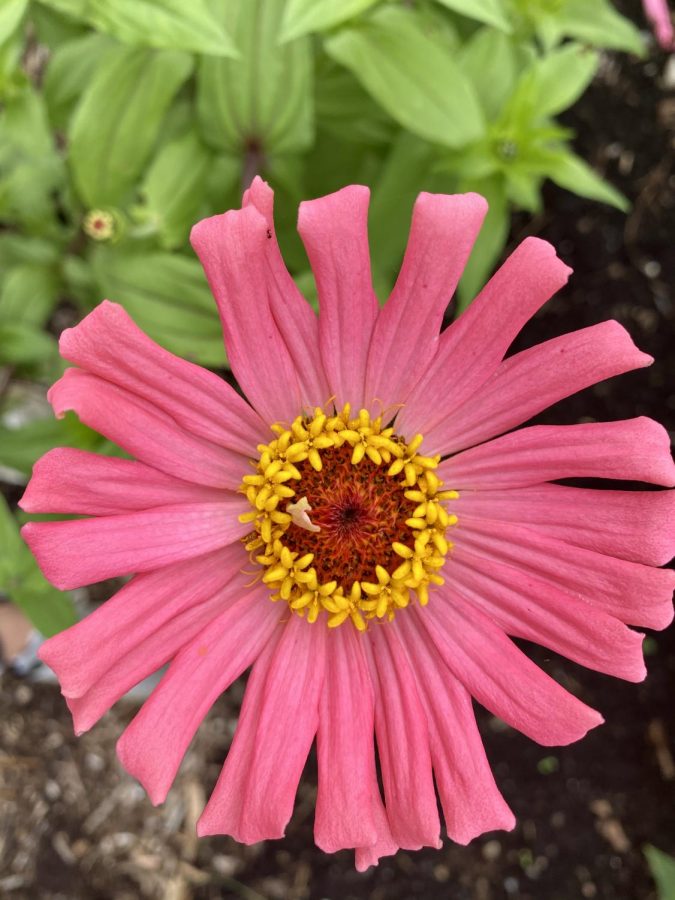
<point x="74" y="826"/>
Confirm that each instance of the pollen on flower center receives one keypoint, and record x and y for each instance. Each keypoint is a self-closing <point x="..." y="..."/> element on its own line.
<point x="348" y="519"/>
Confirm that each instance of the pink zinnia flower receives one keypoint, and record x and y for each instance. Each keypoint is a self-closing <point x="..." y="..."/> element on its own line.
<point x="658" y="14"/>
<point x="402" y="539"/>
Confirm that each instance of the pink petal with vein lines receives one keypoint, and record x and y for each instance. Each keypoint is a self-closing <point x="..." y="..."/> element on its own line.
<point x="153" y="745"/>
<point x="334" y="230"/>
<point x="253" y="799"/>
<point x="84" y="551"/>
<point x="405" y="337"/>
<point x="109" y="344"/>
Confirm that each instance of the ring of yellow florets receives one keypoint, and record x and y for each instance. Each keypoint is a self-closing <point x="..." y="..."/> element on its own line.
<point x="279" y="503"/>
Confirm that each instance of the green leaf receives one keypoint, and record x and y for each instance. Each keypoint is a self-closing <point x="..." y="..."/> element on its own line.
<point x="600" y="25"/>
<point x="71" y="67"/>
<point x="49" y="610"/>
<point x="165" y="24"/>
<point x="489" y="59"/>
<point x="11" y="14"/>
<point x="491" y="12"/>
<point x="168" y="297"/>
<point x="491" y="240"/>
<point x="263" y="101"/>
<point x="22" y="345"/>
<point x="304" y="16"/>
<point x="174" y="187"/>
<point x="553" y="83"/>
<point x="662" y="868"/>
<point x="29" y="294"/>
<point x="345" y="110"/>
<point x="411" y="75"/>
<point x="572" y="173"/>
<point x="114" y="127"/>
<point x="21" y="447"/>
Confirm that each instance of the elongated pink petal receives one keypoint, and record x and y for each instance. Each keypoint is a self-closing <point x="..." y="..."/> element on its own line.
<point x="500" y="676"/>
<point x="151" y="654"/>
<point x="632" y="449"/>
<point x="528" y="607"/>
<point x="634" y="525"/>
<point x="471" y="801"/>
<point x="232" y="248"/>
<point x="659" y="18"/>
<point x="83" y="653"/>
<point x="145" y="431"/>
<point x="253" y="799"/>
<point x="295" y="318"/>
<point x="635" y="594"/>
<point x="471" y="349"/>
<point x="334" y="230"/>
<point x="365" y="857"/>
<point x="405" y="337"/>
<point x="75" y="481"/>
<point x="345" y="748"/>
<point x="153" y="745"/>
<point x="109" y="344"/>
<point x="83" y="551"/>
<point x="403" y="746"/>
<point x="535" y="379"/>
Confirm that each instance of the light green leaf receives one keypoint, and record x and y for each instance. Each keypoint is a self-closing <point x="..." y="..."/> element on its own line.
<point x="168" y="297"/>
<point x="304" y="16"/>
<point x="165" y="24"/>
<point x="262" y="102"/>
<point x="491" y="12"/>
<point x="116" y="123"/>
<point x="489" y="59"/>
<point x="554" y="82"/>
<point x="600" y="25"/>
<point x="411" y="75"/>
<point x="49" y="610"/>
<point x="174" y="187"/>
<point x="70" y="68"/>
<point x="345" y="110"/>
<point x="572" y="173"/>
<point x="22" y="345"/>
<point x="29" y="294"/>
<point x="662" y="868"/>
<point x="491" y="240"/>
<point x="11" y="14"/>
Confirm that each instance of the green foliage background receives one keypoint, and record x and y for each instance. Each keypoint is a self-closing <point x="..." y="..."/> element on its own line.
<point x="141" y="116"/>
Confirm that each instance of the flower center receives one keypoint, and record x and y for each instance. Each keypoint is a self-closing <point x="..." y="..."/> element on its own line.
<point x="348" y="519"/>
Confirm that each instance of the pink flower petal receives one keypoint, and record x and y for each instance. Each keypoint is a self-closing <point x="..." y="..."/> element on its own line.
<point x="150" y="654"/>
<point x="109" y="344"/>
<point x="471" y="801"/>
<point x="632" y="450"/>
<point x="233" y="249"/>
<point x="75" y="481"/>
<point x="528" y="607"/>
<point x="334" y="230"/>
<point x="365" y="857"/>
<point x="535" y="379"/>
<point x="295" y="318"/>
<point x="471" y="349"/>
<point x="253" y="799"/>
<point x="659" y="18"/>
<point x="403" y="746"/>
<point x="145" y="431"/>
<point x="345" y="748"/>
<point x="84" y="551"/>
<point x="154" y="744"/>
<point x="500" y="676"/>
<point x="82" y="654"/>
<point x="634" y="525"/>
<point x="405" y="337"/>
<point x="635" y="594"/>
